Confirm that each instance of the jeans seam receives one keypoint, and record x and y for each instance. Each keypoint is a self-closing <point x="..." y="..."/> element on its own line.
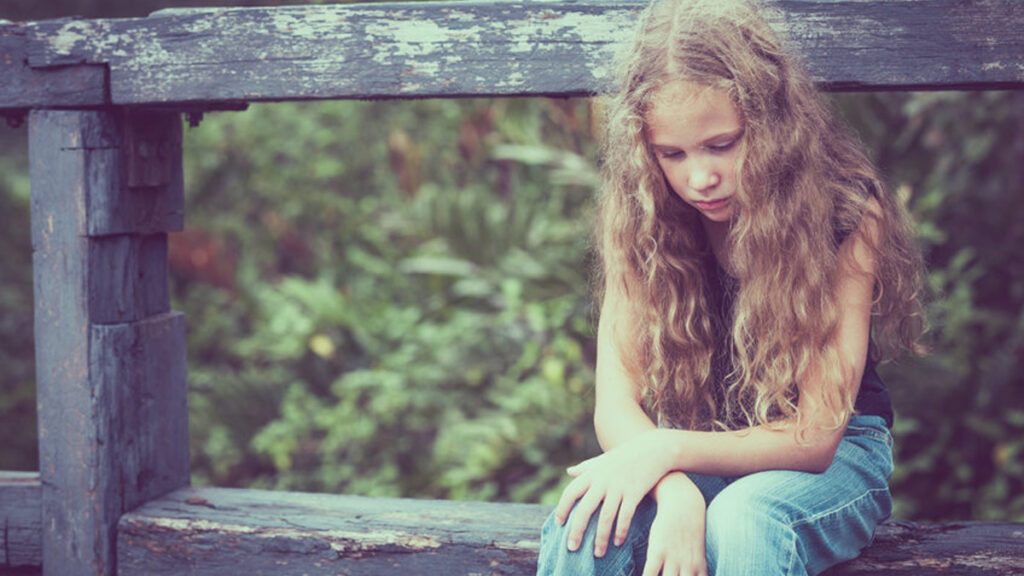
<point x="836" y="510"/>
<point x="877" y="435"/>
<point x="792" y="552"/>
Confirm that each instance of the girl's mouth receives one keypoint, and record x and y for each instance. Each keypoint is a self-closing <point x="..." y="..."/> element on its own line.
<point x="712" y="205"/>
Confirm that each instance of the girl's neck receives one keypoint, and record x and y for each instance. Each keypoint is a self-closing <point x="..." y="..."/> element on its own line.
<point x="716" y="233"/>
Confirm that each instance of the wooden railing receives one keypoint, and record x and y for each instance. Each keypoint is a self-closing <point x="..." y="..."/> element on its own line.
<point x="104" y="99"/>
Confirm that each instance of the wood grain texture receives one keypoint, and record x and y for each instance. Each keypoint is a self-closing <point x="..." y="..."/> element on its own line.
<point x="207" y="531"/>
<point x="67" y="436"/>
<point x="116" y="202"/>
<point x="959" y="548"/>
<point x="141" y="398"/>
<point x="128" y="278"/>
<point x="111" y="396"/>
<point x="27" y="87"/>
<point x="498" y="48"/>
<point x="20" y="520"/>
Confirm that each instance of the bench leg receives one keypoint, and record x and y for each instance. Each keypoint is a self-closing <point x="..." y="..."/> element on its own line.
<point x="110" y="355"/>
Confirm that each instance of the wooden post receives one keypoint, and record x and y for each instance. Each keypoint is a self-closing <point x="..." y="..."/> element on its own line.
<point x="110" y="355"/>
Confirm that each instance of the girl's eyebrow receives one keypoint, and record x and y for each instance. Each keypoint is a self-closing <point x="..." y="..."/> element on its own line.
<point x="725" y="136"/>
<point x="717" y="137"/>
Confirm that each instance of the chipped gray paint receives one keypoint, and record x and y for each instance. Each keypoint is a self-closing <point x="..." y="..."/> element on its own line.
<point x="224" y="55"/>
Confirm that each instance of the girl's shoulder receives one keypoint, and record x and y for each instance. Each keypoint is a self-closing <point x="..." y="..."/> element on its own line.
<point x="850" y="212"/>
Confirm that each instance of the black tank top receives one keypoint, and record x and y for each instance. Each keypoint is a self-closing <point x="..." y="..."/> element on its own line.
<point x="872" y="398"/>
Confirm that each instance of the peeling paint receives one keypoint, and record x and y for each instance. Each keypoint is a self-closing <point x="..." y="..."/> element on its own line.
<point x="341" y="541"/>
<point x="518" y="545"/>
<point x="65" y="39"/>
<point x="300" y="52"/>
<point x="198" y="524"/>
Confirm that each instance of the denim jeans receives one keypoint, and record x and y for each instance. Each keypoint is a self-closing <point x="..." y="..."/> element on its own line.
<point x="778" y="522"/>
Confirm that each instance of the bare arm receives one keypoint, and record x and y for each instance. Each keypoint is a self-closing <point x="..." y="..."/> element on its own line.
<point x="619" y="416"/>
<point x="618" y="406"/>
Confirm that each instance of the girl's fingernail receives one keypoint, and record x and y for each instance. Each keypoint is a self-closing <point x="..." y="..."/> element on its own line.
<point x="598" y="552"/>
<point x="573" y="545"/>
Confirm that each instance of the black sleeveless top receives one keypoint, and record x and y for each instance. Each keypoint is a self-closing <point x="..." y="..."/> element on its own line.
<point x="872" y="398"/>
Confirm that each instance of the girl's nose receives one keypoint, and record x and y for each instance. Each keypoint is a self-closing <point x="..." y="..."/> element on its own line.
<point x="703" y="178"/>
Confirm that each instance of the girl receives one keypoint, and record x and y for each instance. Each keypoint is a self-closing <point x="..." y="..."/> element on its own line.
<point x="749" y="251"/>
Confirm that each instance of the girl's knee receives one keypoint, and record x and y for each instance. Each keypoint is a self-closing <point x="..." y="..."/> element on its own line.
<point x="746" y="532"/>
<point x="556" y="558"/>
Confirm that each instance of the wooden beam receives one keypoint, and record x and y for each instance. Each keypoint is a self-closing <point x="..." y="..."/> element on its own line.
<point x="25" y="87"/>
<point x="200" y="531"/>
<point x="504" y="48"/>
<point x="110" y="357"/>
<point x="20" y="520"/>
<point x="208" y="531"/>
<point x="960" y="548"/>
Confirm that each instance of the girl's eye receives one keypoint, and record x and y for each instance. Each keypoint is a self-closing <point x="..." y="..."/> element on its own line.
<point x="722" y="147"/>
<point x="671" y="155"/>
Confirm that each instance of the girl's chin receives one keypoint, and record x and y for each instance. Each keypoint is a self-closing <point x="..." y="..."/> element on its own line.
<point x="717" y="217"/>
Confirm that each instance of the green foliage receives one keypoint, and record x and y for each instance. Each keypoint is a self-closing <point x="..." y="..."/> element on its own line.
<point x="17" y="387"/>
<point x="413" y="331"/>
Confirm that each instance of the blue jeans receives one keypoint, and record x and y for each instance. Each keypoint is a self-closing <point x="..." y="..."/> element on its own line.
<point x="777" y="522"/>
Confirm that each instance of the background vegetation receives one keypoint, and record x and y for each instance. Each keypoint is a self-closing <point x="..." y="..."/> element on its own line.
<point x="391" y="298"/>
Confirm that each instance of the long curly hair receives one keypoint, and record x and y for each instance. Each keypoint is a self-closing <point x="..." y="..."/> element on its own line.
<point x="801" y="178"/>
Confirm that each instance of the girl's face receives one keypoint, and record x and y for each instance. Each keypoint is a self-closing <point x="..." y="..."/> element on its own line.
<point x="695" y="132"/>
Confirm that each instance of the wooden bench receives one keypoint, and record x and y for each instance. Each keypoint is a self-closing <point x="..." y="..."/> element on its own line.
<point x="104" y="99"/>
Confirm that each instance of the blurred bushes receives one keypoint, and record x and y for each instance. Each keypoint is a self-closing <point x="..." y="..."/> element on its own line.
<point x="408" y="311"/>
<point x="17" y="366"/>
<point x="392" y="298"/>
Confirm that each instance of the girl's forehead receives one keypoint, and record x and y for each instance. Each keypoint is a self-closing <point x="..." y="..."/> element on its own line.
<point x="681" y="107"/>
<point x="684" y="93"/>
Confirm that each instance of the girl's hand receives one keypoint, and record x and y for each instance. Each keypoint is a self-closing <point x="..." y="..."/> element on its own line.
<point x="620" y="478"/>
<point x="675" y="546"/>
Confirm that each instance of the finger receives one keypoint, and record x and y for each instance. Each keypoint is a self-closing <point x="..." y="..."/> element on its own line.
<point x="577" y="469"/>
<point x="654" y="562"/>
<point x="672" y="568"/>
<point x="570" y="495"/>
<point x="609" y="510"/>
<point x="581" y="517"/>
<point x="626" y="511"/>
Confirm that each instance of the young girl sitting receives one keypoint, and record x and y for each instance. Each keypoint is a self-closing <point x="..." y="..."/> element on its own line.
<point x="755" y="270"/>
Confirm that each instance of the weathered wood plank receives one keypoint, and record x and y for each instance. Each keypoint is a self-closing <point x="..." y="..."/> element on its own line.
<point x="27" y="87"/>
<point x="110" y="205"/>
<point x="207" y="531"/>
<point x="128" y="278"/>
<point x="20" y="520"/>
<point x="112" y="415"/>
<point x="959" y="548"/>
<point x="497" y="48"/>
<point x="141" y="397"/>
<point x="139" y="189"/>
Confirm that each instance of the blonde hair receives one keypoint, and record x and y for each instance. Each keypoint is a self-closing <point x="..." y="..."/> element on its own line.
<point x="802" y="178"/>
